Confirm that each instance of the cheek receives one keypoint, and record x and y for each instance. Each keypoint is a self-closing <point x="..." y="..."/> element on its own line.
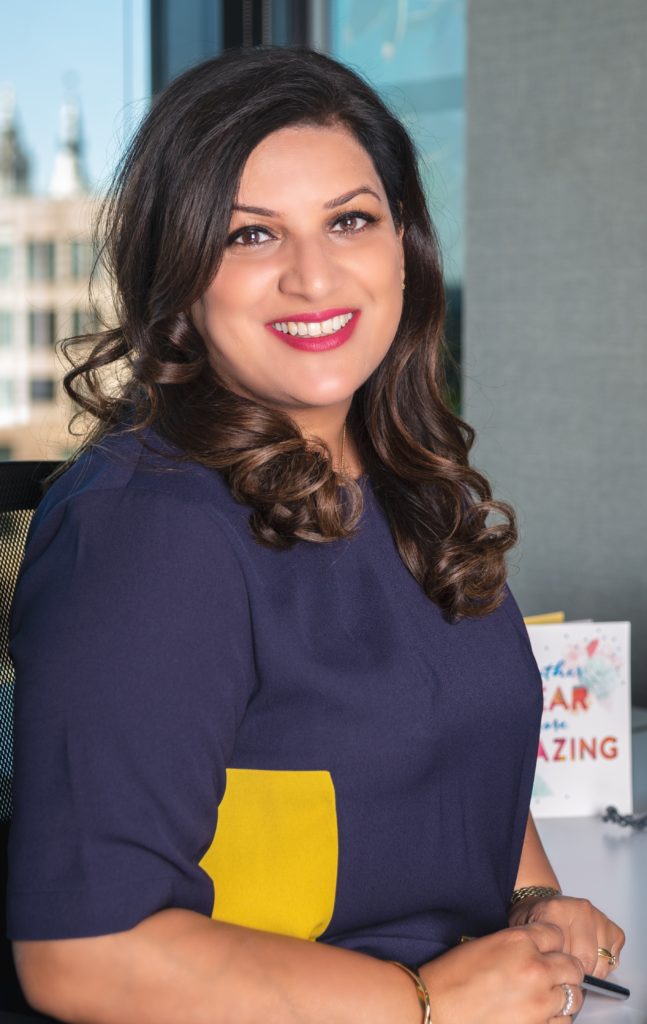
<point x="386" y="285"/>
<point x="237" y="288"/>
<point x="381" y="271"/>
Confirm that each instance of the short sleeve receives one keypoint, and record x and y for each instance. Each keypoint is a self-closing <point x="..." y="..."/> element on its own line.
<point x="133" y="654"/>
<point x="513" y="612"/>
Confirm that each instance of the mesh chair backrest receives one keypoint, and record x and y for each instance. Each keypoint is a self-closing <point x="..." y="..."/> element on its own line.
<point x="20" y="491"/>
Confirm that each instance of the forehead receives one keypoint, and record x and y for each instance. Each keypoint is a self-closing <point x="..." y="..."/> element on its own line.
<point x="304" y="163"/>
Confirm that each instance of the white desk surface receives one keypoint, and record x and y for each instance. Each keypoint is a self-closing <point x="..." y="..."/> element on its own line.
<point x="609" y="865"/>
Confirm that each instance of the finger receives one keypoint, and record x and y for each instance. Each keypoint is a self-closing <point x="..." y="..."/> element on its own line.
<point x="608" y="953"/>
<point x="582" y="942"/>
<point x="568" y="1001"/>
<point x="548" y="938"/>
<point x="582" y="925"/>
<point x="565" y="969"/>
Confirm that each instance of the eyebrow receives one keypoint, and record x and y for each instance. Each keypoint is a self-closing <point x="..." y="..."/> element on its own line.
<point x="261" y="211"/>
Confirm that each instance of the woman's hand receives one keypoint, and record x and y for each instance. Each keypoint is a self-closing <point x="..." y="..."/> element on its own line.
<point x="512" y="977"/>
<point x="585" y="928"/>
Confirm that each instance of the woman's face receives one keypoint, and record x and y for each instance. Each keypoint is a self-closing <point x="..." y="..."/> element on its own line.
<point x="308" y="297"/>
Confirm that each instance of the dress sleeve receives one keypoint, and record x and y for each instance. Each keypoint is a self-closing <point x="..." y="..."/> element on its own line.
<point x="134" y="665"/>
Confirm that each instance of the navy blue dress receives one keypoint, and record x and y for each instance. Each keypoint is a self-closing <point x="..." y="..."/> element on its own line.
<point x="292" y="740"/>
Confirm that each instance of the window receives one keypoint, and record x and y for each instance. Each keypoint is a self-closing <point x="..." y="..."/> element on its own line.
<point x="41" y="389"/>
<point x="415" y="55"/>
<point x="42" y="328"/>
<point x="41" y="261"/>
<point x="83" y="321"/>
<point x="82" y="260"/>
<point x="6" y="328"/>
<point x="5" y="262"/>
<point x="72" y="118"/>
<point x="7" y="393"/>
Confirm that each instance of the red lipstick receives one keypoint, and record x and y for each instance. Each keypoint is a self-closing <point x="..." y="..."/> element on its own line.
<point x="324" y="342"/>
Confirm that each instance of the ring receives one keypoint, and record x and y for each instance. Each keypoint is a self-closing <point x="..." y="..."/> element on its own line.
<point x="613" y="960"/>
<point x="568" y="1005"/>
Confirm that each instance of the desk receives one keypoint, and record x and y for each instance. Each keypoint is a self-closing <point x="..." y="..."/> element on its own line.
<point x="609" y="865"/>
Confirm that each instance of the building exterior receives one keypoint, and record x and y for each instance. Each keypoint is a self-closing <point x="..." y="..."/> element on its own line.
<point x="46" y="258"/>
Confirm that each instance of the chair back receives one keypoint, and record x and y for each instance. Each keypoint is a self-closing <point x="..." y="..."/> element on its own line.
<point x="21" y="488"/>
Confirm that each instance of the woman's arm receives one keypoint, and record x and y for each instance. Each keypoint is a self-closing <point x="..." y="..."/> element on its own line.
<point x="586" y="929"/>
<point x="181" y="966"/>
<point x="178" y="965"/>
<point x="534" y="866"/>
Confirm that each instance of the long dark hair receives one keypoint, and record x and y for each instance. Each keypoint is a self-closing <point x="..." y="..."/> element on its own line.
<point x="162" y="234"/>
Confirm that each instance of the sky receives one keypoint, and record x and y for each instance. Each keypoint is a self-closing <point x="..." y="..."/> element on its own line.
<point x="95" y="50"/>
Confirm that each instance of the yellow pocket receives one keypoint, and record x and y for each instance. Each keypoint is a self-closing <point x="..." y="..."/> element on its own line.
<point x="273" y="859"/>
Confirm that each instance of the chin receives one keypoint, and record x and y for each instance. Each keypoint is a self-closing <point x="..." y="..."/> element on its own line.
<point x="325" y="401"/>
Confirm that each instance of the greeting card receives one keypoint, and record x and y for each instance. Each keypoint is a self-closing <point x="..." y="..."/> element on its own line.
<point x="584" y="756"/>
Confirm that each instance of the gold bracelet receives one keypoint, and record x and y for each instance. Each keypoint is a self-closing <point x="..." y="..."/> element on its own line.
<point x="421" y="989"/>
<point x="542" y="891"/>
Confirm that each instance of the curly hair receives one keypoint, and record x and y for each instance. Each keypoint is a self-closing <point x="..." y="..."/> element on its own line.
<point x="161" y="235"/>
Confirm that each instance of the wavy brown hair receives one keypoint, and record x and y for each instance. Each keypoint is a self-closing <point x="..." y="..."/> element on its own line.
<point x="162" y="234"/>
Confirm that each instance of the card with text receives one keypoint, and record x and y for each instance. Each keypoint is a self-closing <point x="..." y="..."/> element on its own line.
<point x="584" y="756"/>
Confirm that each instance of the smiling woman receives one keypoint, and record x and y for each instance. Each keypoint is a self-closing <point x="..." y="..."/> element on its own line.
<point x="307" y="299"/>
<point x="276" y="711"/>
<point x="273" y="187"/>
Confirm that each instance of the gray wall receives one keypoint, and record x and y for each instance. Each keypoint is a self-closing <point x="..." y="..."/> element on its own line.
<point x="555" y="345"/>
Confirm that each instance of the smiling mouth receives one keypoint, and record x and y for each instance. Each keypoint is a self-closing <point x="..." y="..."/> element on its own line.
<point x="314" y="329"/>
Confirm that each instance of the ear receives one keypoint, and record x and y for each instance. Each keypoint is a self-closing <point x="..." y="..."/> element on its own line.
<point x="400" y="237"/>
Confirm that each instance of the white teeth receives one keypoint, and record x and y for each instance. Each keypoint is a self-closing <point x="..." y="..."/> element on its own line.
<point x="312" y="330"/>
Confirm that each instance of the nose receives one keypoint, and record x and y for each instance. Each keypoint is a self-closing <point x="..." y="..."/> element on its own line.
<point x="310" y="270"/>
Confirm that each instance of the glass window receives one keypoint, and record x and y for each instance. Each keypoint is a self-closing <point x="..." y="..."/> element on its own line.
<point x="415" y="54"/>
<point x="5" y="262"/>
<point x="7" y="393"/>
<point x="42" y="328"/>
<point x="6" y="325"/>
<point x="83" y="321"/>
<point x="82" y="260"/>
<point x="79" y="96"/>
<point x="41" y="261"/>
<point x="41" y="389"/>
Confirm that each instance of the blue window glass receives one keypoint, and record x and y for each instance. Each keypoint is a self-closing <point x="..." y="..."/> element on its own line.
<point x="6" y="328"/>
<point x="7" y="393"/>
<point x="41" y="261"/>
<point x="42" y="389"/>
<point x="5" y="262"/>
<point x="414" y="53"/>
<point x="81" y="259"/>
<point x="42" y="328"/>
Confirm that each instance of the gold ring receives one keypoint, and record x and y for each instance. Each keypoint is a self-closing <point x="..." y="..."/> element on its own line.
<point x="613" y="960"/>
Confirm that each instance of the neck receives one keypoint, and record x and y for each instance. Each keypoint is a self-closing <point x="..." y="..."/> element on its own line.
<point x="329" y="425"/>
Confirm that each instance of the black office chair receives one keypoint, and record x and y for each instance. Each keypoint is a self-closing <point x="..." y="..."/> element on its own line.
<point x="20" y="491"/>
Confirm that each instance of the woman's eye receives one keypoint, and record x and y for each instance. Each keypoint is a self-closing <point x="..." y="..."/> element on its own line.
<point x="250" y="237"/>
<point x="353" y="222"/>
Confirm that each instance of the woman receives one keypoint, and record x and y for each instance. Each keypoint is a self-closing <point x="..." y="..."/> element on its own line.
<point x="270" y="573"/>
